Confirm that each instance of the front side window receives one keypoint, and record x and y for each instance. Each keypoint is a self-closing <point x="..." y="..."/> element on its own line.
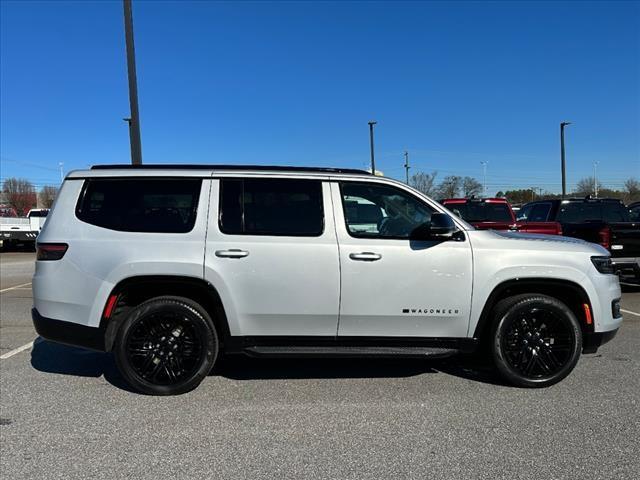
<point x="381" y="211"/>
<point x="140" y="205"/>
<point x="280" y="207"/>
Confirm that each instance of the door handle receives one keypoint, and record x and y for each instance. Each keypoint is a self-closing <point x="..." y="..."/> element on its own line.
<point x="365" y="256"/>
<point x="232" y="253"/>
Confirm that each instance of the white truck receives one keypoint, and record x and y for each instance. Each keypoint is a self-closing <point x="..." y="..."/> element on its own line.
<point x="14" y="230"/>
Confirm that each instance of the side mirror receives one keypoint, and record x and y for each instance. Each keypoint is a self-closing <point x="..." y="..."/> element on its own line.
<point x="441" y="227"/>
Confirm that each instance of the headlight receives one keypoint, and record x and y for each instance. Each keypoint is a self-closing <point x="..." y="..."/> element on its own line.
<point x="603" y="264"/>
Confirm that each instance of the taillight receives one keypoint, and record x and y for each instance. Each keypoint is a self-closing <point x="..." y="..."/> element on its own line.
<point x="604" y="237"/>
<point x="51" y="251"/>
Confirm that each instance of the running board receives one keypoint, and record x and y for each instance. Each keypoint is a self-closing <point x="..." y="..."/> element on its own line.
<point x="346" y="351"/>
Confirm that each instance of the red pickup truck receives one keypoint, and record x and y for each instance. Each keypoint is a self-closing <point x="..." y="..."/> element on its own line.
<point x="496" y="214"/>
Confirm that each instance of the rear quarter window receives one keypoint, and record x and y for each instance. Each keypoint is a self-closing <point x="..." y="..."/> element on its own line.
<point x="140" y="205"/>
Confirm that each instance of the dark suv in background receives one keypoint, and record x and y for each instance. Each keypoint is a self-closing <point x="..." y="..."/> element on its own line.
<point x="604" y="221"/>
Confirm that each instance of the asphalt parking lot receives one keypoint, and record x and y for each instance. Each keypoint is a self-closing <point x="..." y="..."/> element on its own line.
<point x="66" y="413"/>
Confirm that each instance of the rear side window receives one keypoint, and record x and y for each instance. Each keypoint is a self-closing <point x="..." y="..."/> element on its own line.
<point x="540" y="212"/>
<point x="614" y="212"/>
<point x="271" y="207"/>
<point x="578" y="212"/>
<point x="482" y="211"/>
<point x="140" y="205"/>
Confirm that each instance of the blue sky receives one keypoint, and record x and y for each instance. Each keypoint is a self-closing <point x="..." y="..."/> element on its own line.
<point x="295" y="83"/>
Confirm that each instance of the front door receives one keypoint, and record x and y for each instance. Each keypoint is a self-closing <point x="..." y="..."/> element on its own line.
<point x="393" y="286"/>
<point x="272" y="254"/>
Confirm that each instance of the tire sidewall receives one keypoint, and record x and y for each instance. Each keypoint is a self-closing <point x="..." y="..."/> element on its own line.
<point x="204" y="330"/>
<point x="503" y="321"/>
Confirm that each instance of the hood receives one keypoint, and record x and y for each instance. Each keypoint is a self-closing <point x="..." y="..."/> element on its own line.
<point x="537" y="241"/>
<point x="541" y="237"/>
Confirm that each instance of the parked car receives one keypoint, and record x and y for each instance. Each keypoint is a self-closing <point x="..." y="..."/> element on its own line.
<point x="496" y="214"/>
<point x="604" y="221"/>
<point x="169" y="267"/>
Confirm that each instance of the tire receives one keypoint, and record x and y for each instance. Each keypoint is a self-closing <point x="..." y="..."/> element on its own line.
<point x="166" y="346"/>
<point x="536" y="340"/>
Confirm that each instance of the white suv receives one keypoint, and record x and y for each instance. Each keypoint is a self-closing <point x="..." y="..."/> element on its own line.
<point x="171" y="266"/>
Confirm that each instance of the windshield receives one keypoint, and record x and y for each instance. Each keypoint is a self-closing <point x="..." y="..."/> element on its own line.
<point x="482" y="211"/>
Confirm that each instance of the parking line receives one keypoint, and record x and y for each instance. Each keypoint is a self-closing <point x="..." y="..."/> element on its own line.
<point x="629" y="311"/>
<point x="16" y="350"/>
<point x="13" y="288"/>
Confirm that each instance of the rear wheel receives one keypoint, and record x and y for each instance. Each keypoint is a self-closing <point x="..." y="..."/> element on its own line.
<point x="536" y="340"/>
<point x="166" y="346"/>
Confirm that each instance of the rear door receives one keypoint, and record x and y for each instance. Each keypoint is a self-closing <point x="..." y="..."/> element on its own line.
<point x="272" y="253"/>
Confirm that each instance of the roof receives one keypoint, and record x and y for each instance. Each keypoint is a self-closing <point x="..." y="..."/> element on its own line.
<point x="217" y="167"/>
<point x="465" y="200"/>
<point x="574" y="199"/>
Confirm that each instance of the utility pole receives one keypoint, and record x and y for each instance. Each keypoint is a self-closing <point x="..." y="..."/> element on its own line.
<point x="373" y="161"/>
<point x="484" y="178"/>
<point x="60" y="164"/>
<point x="562" y="162"/>
<point x="406" y="165"/>
<point x="533" y="193"/>
<point x="134" y="119"/>
<point x="595" y="178"/>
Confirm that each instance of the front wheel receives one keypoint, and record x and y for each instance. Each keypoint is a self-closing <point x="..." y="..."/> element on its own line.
<point x="166" y="346"/>
<point x="536" y="340"/>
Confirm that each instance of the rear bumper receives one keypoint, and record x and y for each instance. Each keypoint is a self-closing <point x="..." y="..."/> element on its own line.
<point x="592" y="341"/>
<point x="628" y="269"/>
<point x="68" y="333"/>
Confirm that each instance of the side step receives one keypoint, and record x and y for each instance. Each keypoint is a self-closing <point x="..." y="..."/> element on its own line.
<point x="346" y="351"/>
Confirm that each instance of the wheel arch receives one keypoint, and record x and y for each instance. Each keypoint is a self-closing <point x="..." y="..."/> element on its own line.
<point x="567" y="291"/>
<point x="132" y="291"/>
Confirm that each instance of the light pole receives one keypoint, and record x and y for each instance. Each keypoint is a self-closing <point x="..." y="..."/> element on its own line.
<point x="562" y="162"/>
<point x="134" y="120"/>
<point x="484" y="177"/>
<point x="595" y="178"/>
<point x="406" y="165"/>
<point x="373" y="160"/>
<point x="60" y="164"/>
<point x="533" y="193"/>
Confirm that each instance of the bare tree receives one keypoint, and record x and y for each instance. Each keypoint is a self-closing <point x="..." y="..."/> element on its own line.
<point x="19" y="194"/>
<point x="450" y="186"/>
<point x="424" y="182"/>
<point x="586" y="186"/>
<point x="471" y="187"/>
<point x="632" y="189"/>
<point x="47" y="195"/>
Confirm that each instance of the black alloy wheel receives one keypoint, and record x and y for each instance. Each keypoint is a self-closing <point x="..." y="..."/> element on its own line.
<point x="166" y="346"/>
<point x="536" y="340"/>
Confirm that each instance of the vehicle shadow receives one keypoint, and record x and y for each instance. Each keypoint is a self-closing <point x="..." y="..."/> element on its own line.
<point x="238" y="367"/>
<point x="50" y="357"/>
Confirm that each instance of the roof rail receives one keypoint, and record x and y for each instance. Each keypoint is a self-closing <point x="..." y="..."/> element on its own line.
<point x="262" y="168"/>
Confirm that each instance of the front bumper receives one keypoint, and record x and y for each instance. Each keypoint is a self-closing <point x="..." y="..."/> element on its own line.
<point x="594" y="340"/>
<point x="628" y="269"/>
<point x="68" y="333"/>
